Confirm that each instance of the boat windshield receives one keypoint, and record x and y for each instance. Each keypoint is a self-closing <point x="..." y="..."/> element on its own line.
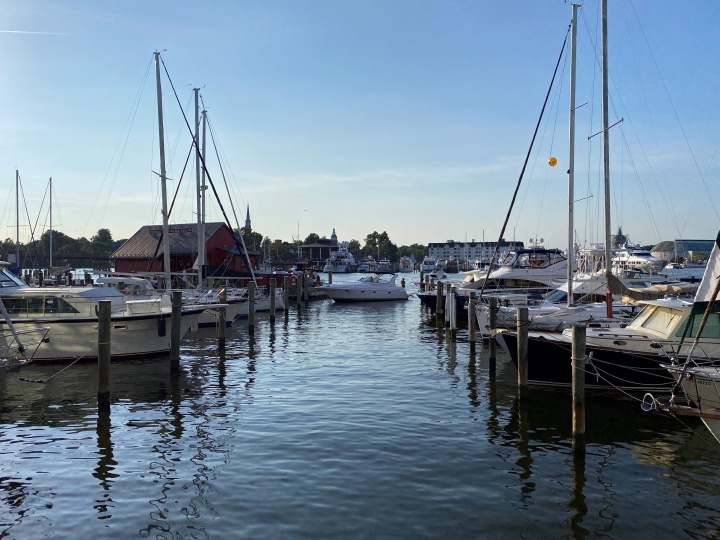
<point x="7" y="279"/>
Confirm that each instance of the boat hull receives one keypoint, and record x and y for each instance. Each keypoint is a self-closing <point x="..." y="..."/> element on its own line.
<point x="550" y="364"/>
<point x="210" y="317"/>
<point x="131" y="336"/>
<point x="351" y="294"/>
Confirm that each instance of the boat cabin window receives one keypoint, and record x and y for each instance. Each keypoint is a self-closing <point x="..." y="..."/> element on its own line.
<point x="37" y="305"/>
<point x="662" y="319"/>
<point x="509" y="258"/>
<point x="711" y="330"/>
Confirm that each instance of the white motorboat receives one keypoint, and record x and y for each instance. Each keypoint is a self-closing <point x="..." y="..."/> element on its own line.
<point x="531" y="270"/>
<point x="452" y="266"/>
<point x="406" y="264"/>
<point x="633" y="257"/>
<point x="341" y="261"/>
<point x="140" y="328"/>
<point x="384" y="267"/>
<point x="429" y="265"/>
<point x="367" y="265"/>
<point x="377" y="288"/>
<point x="139" y="288"/>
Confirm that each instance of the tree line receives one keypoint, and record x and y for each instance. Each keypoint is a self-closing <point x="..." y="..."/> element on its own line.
<point x="81" y="252"/>
<point x="66" y="251"/>
<point x="376" y="245"/>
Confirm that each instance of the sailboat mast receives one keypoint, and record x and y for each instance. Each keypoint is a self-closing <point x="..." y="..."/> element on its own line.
<point x="17" y="219"/>
<point x="571" y="156"/>
<point x="163" y="178"/>
<point x="203" y="187"/>
<point x="51" y="246"/>
<point x="200" y="235"/>
<point x="606" y="157"/>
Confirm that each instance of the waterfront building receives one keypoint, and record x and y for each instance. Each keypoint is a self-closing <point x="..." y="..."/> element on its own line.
<point x="469" y="251"/>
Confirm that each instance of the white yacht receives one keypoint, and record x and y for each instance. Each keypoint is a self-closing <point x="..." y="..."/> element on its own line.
<point x="341" y="261"/>
<point x="406" y="264"/>
<point x="140" y="328"/>
<point x="633" y="257"/>
<point x="384" y="267"/>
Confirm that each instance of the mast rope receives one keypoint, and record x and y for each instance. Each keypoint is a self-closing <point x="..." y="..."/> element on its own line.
<point x="243" y="248"/>
<point x="527" y="158"/>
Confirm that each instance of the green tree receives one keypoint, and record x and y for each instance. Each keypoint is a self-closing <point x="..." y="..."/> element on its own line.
<point x="379" y="244"/>
<point x="312" y="238"/>
<point x="354" y="247"/>
<point x="103" y="236"/>
<point x="253" y="240"/>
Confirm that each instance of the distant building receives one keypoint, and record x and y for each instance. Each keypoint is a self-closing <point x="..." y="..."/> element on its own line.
<point x="684" y="249"/>
<point x="469" y="250"/>
<point x="319" y="252"/>
<point x="143" y="252"/>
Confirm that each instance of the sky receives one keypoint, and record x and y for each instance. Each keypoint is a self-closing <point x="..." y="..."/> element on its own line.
<point x="412" y="117"/>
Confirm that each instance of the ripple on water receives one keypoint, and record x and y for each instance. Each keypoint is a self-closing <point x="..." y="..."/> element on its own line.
<point x="349" y="421"/>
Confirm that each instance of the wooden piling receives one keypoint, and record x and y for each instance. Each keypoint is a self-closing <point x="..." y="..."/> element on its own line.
<point x="103" y="374"/>
<point x="329" y="277"/>
<point x="578" y="387"/>
<point x="298" y="289"/>
<point x="492" y="357"/>
<point x="439" y="304"/>
<point x="448" y="303"/>
<point x="472" y="324"/>
<point x="428" y="283"/>
<point x="306" y="288"/>
<point x="251" y="308"/>
<point x="272" y="300"/>
<point x="522" y="346"/>
<point x="175" y="324"/>
<point x="222" y="317"/>
<point x="422" y="283"/>
<point x="286" y="297"/>
<point x="452" y="308"/>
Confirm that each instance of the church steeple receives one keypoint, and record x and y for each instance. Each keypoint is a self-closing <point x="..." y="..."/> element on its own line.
<point x="333" y="236"/>
<point x="247" y="219"/>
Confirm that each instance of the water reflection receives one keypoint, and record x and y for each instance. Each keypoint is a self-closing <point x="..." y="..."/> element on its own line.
<point x="104" y="471"/>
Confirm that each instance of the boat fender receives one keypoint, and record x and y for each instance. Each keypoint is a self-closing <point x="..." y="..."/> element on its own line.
<point x="161" y="327"/>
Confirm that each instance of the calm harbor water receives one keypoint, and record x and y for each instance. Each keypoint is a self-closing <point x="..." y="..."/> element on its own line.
<point x="351" y="421"/>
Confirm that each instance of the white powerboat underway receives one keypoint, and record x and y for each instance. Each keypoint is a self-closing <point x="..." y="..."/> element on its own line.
<point x="140" y="328"/>
<point x="377" y="288"/>
<point x="341" y="261"/>
<point x="633" y="257"/>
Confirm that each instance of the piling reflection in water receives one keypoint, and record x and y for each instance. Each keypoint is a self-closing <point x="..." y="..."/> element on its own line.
<point x="347" y="421"/>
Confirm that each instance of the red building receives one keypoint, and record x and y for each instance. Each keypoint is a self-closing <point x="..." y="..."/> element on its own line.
<point x="143" y="252"/>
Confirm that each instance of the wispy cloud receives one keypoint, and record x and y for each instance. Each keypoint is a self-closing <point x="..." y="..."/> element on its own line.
<point x="31" y="32"/>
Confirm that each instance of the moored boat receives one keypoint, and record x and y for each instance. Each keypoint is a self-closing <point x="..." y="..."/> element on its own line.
<point x="377" y="288"/>
<point x="140" y="328"/>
